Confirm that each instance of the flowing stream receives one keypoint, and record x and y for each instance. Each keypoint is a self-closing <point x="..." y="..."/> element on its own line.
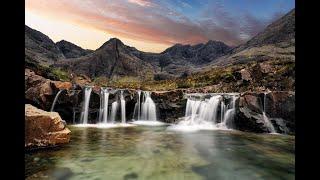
<point x="265" y="118"/>
<point x="104" y="99"/>
<point x="85" y="105"/>
<point x="55" y="100"/>
<point x="123" y="107"/>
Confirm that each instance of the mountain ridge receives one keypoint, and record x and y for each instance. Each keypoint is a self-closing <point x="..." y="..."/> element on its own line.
<point x="114" y="59"/>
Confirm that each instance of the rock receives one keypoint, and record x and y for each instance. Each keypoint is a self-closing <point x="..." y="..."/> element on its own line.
<point x="280" y="110"/>
<point x="43" y="128"/>
<point x="266" y="67"/>
<point x="61" y="85"/>
<point x="281" y="104"/>
<point x="170" y="105"/>
<point x="245" y="75"/>
<point x="40" y="95"/>
<point x="252" y="101"/>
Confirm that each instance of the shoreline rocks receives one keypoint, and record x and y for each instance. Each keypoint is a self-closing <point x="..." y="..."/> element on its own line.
<point x="280" y="105"/>
<point x="44" y="129"/>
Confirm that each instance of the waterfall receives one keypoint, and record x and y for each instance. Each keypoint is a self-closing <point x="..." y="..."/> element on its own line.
<point x="123" y="108"/>
<point x="55" y="100"/>
<point x="202" y="112"/>
<point x="103" y="112"/>
<point x="223" y="111"/>
<point x="85" y="105"/>
<point x="114" y="109"/>
<point x="265" y="118"/>
<point x="137" y="107"/>
<point x="230" y="112"/>
<point x="148" y="111"/>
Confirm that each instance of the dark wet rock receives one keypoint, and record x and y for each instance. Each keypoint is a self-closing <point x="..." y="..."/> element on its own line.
<point x="129" y="176"/>
<point x="170" y="105"/>
<point x="61" y="173"/>
<point x="281" y="104"/>
<point x="157" y="151"/>
<point x="279" y="109"/>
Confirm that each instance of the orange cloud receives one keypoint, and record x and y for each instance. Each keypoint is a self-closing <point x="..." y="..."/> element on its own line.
<point x="139" y="20"/>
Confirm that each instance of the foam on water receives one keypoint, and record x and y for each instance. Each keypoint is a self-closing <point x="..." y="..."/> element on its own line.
<point x="149" y="123"/>
<point x="105" y="125"/>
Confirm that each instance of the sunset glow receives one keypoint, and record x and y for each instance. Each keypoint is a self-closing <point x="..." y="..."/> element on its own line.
<point x="150" y="25"/>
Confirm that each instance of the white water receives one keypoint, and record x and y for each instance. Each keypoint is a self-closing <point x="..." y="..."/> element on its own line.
<point x="123" y="108"/>
<point x="55" y="100"/>
<point x="266" y="120"/>
<point x="85" y="105"/>
<point x="114" y="109"/>
<point x="103" y="125"/>
<point x="137" y="107"/>
<point x="104" y="99"/>
<point x="229" y="113"/>
<point x="202" y="114"/>
<point x="148" y="112"/>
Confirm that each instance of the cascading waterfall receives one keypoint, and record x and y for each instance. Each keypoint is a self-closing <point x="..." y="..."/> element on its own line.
<point x="223" y="110"/>
<point x="55" y="100"/>
<point x="199" y="111"/>
<point x="103" y="112"/>
<point x="85" y="105"/>
<point x="123" y="108"/>
<point x="137" y="107"/>
<point x="148" y="111"/>
<point x="203" y="113"/>
<point x="265" y="118"/>
<point x="114" y="109"/>
<point x="229" y="113"/>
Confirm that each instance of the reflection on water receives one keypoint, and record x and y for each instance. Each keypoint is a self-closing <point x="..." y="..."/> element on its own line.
<point x="154" y="153"/>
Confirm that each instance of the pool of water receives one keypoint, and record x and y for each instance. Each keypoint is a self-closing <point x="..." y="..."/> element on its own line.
<point x="142" y="152"/>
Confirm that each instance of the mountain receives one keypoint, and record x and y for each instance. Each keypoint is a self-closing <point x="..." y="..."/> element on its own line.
<point x="198" y="54"/>
<point x="71" y="50"/>
<point x="277" y="41"/>
<point x="39" y="48"/>
<point x="116" y="60"/>
<point x="112" y="60"/>
<point x="280" y="33"/>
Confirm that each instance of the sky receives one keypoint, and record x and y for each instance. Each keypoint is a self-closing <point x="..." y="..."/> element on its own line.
<point x="153" y="25"/>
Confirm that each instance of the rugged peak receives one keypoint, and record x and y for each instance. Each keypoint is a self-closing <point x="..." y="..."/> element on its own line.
<point x="112" y="42"/>
<point x="71" y="50"/>
<point x="214" y="42"/>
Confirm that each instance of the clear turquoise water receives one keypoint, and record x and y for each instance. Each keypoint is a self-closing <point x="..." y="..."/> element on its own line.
<point x="155" y="153"/>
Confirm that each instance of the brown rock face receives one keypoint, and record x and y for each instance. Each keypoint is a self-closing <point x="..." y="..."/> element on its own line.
<point x="61" y="85"/>
<point x="44" y="128"/>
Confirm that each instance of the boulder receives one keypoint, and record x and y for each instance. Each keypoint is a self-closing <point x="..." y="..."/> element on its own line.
<point x="43" y="129"/>
<point x="170" y="105"/>
<point x="61" y="85"/>
<point x="279" y="109"/>
<point x="245" y="75"/>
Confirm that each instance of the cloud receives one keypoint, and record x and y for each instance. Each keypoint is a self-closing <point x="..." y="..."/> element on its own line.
<point x="150" y="21"/>
<point x="141" y="2"/>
